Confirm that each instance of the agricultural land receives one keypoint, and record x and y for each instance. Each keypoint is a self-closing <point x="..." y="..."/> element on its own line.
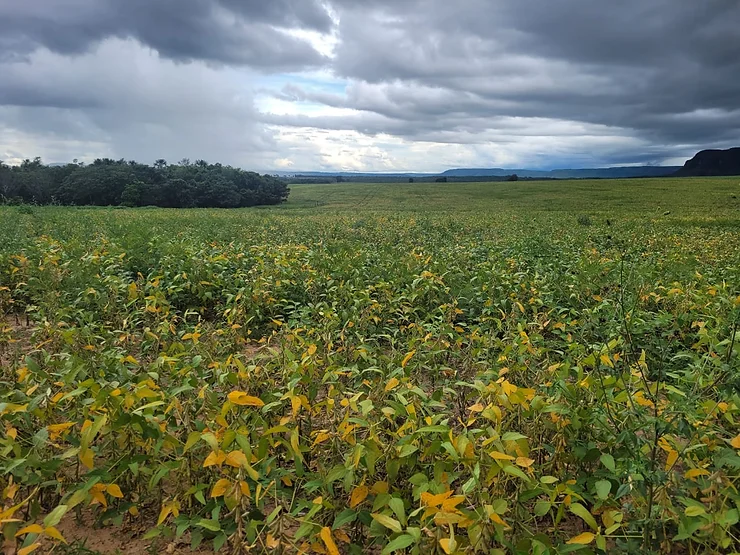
<point x="500" y="368"/>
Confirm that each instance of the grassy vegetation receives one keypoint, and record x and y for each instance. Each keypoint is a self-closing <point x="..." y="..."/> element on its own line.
<point x="450" y="368"/>
<point x="698" y="196"/>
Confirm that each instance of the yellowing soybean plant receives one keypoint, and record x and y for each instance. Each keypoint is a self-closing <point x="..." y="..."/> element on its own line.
<point x="426" y="368"/>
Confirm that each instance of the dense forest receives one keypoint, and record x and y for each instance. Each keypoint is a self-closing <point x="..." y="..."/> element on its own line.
<point x="108" y="182"/>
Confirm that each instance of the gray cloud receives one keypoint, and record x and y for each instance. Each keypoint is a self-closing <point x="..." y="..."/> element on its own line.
<point x="248" y="32"/>
<point x="665" y="70"/>
<point x="552" y="83"/>
<point x="131" y="104"/>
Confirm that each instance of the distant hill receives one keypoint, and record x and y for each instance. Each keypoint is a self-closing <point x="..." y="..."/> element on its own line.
<point x="712" y="163"/>
<point x="594" y="173"/>
<point x="479" y="173"/>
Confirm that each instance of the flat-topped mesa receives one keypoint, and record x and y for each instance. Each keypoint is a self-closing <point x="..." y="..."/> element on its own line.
<point x="713" y="163"/>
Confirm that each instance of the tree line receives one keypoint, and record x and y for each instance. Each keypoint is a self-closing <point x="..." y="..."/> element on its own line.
<point x="107" y="182"/>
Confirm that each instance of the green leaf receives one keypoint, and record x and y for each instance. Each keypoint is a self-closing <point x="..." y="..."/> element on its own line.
<point x="303" y="530"/>
<point x="345" y="517"/>
<point x="211" y="440"/>
<point x="55" y="516"/>
<point x="695" y="510"/>
<point x="603" y="487"/>
<point x="730" y="518"/>
<point x="469" y="486"/>
<point x="153" y="533"/>
<point x="512" y="436"/>
<point x="388" y="522"/>
<point x="541" y="508"/>
<point x="193" y="438"/>
<point x="581" y="511"/>
<point x="401" y="542"/>
<point x="515" y="471"/>
<point x="608" y="461"/>
<point x="148" y="406"/>
<point x="212" y="525"/>
<point x="219" y="541"/>
<point x="433" y="429"/>
<point x="397" y="507"/>
<point x="40" y="438"/>
<point x="77" y="497"/>
<point x="407" y="450"/>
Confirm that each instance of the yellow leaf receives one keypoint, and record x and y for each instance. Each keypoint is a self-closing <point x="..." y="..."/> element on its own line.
<point x="56" y="429"/>
<point x="214" y="459"/>
<point x="10" y="491"/>
<point x="342" y="536"/>
<point x="380" y="487"/>
<point x="54" y="533"/>
<point x="450" y="505"/>
<point x="642" y="401"/>
<point x="499" y="456"/>
<point x="244" y="488"/>
<point x="606" y="361"/>
<point x="311" y="350"/>
<point x="318" y="501"/>
<point x="173" y="507"/>
<point x="524" y="462"/>
<point x="32" y="529"/>
<point x="430" y="500"/>
<point x="251" y="472"/>
<point x="359" y="494"/>
<point x="407" y="358"/>
<point x="97" y="494"/>
<point x="114" y="491"/>
<point x="237" y="459"/>
<point x="271" y="542"/>
<point x="671" y="459"/>
<point x="696" y="472"/>
<point x="220" y="488"/>
<point x="87" y="458"/>
<point x="582" y="539"/>
<point x="393" y="382"/>
<point x="321" y="437"/>
<point x="508" y="388"/>
<point x="242" y="399"/>
<point x="476" y="408"/>
<point x="736" y="442"/>
<point x="498" y="520"/>
<point x="30" y="549"/>
<point x="331" y="547"/>
<point x="163" y="514"/>
<point x="448" y="545"/>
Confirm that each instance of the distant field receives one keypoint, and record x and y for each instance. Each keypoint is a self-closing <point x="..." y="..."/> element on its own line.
<point x="426" y="368"/>
<point x="708" y="196"/>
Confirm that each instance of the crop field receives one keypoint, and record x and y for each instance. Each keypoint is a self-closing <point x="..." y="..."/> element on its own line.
<point x="504" y="368"/>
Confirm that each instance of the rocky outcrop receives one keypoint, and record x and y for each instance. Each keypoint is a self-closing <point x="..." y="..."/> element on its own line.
<point x="713" y="162"/>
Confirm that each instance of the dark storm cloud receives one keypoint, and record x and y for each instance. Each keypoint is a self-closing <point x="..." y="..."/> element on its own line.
<point x="639" y="80"/>
<point x="666" y="70"/>
<point x="249" y="32"/>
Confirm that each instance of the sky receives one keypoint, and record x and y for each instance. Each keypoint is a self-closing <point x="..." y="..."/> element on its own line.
<point x="370" y="85"/>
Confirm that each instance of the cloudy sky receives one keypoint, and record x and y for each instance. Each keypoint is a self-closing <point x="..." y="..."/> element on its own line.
<point x="370" y="85"/>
